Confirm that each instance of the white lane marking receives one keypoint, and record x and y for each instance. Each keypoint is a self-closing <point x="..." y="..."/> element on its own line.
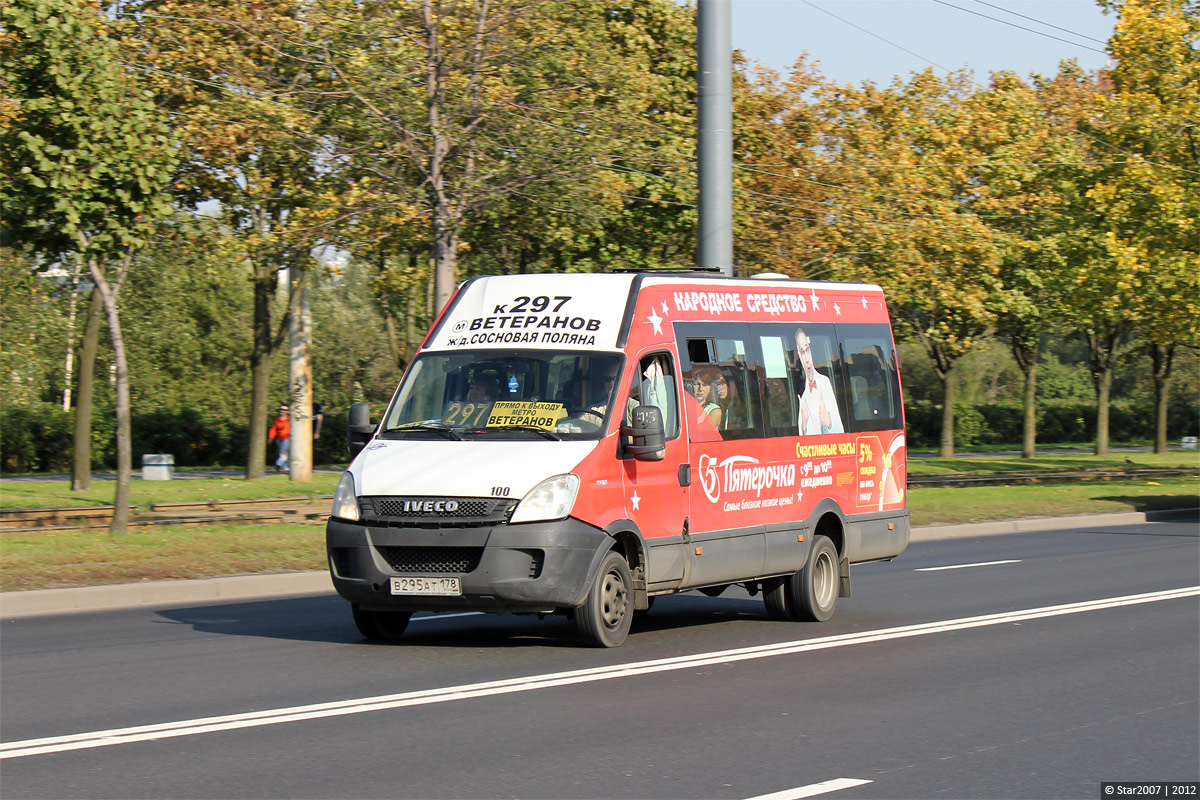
<point x="276" y="716"/>
<point x="813" y="789"/>
<point x="966" y="566"/>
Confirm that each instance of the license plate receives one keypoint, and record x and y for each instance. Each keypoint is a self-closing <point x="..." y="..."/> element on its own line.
<point x="427" y="586"/>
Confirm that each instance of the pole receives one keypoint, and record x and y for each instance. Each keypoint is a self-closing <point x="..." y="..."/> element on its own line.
<point x="715" y="136"/>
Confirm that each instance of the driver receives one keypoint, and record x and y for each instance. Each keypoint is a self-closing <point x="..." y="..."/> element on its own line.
<point x="482" y="390"/>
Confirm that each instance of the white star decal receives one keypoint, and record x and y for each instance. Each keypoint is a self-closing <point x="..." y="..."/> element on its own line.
<point x="656" y="321"/>
<point x="816" y="301"/>
<point x="633" y="501"/>
<point x="799" y="497"/>
<point x="837" y="310"/>
<point x="665" y="312"/>
<point x="864" y="301"/>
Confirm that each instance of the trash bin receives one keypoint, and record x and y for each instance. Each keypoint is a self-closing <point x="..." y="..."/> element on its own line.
<point x="158" y="466"/>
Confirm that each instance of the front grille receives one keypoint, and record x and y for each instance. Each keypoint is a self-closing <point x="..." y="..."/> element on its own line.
<point x="432" y="560"/>
<point x="424" y="511"/>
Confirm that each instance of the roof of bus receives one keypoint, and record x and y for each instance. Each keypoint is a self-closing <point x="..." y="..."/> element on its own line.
<point x="596" y="310"/>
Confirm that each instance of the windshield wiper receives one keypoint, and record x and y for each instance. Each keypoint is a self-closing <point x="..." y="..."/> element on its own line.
<point x="532" y="428"/>
<point x="444" y="430"/>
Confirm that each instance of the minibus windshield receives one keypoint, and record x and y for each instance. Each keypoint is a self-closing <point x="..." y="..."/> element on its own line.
<point x="525" y="394"/>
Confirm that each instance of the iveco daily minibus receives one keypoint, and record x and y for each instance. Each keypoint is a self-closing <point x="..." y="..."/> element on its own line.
<point x="582" y="443"/>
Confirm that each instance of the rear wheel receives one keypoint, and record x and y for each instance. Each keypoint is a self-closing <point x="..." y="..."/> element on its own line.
<point x="387" y="626"/>
<point x="774" y="592"/>
<point x="604" y="618"/>
<point x="813" y="591"/>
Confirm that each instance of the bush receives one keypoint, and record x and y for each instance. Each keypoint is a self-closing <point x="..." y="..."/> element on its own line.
<point x="969" y="425"/>
<point x="923" y="423"/>
<point x="36" y="438"/>
<point x="1067" y="422"/>
<point x="1002" y="424"/>
<point x="194" y="439"/>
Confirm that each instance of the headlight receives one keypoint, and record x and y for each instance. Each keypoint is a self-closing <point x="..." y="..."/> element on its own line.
<point x="550" y="499"/>
<point x="345" y="503"/>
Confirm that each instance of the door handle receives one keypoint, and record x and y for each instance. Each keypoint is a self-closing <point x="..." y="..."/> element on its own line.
<point x="685" y="474"/>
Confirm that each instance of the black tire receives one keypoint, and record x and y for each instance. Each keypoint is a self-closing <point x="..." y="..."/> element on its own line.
<point x="604" y="618"/>
<point x="387" y="626"/>
<point x="774" y="591"/>
<point x="813" y="591"/>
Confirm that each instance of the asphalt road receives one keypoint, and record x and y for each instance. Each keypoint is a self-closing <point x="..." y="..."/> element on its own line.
<point x="1060" y="660"/>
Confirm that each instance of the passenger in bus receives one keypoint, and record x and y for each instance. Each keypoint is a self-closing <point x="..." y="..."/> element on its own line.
<point x="731" y="399"/>
<point x="704" y="389"/>
<point x="818" y="403"/>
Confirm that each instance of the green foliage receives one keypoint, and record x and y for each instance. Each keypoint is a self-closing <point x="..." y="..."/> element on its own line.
<point x="33" y="336"/>
<point x="350" y="344"/>
<point x="1032" y="212"/>
<point x="85" y="154"/>
<point x="969" y="424"/>
<point x="35" y="438"/>
<point x="188" y="306"/>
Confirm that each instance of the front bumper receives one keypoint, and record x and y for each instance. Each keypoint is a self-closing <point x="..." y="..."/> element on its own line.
<point x="536" y="566"/>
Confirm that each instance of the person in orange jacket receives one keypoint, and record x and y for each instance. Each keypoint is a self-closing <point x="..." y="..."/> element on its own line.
<point x="280" y="431"/>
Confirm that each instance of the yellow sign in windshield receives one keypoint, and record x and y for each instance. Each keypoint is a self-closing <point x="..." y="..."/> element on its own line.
<point x="525" y="414"/>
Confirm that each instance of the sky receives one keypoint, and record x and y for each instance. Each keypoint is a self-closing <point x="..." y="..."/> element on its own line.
<point x="877" y="40"/>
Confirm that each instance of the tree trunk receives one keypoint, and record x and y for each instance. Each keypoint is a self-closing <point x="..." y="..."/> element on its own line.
<point x="69" y="364"/>
<point x="300" y="377"/>
<point x="445" y="245"/>
<point x="1102" y="354"/>
<point x="946" y="450"/>
<point x="1103" y="392"/>
<point x="120" y="520"/>
<point x="1029" y="409"/>
<point x="81" y="464"/>
<point x="1161" y="357"/>
<point x="1026" y="351"/>
<point x="260" y="370"/>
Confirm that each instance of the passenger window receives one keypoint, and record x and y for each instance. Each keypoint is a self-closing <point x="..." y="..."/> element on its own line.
<point x="722" y="379"/>
<point x="819" y="377"/>
<point x="873" y="388"/>
<point x="781" y="388"/>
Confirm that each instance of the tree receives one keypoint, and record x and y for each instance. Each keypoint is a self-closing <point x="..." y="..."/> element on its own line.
<point x="235" y="88"/>
<point x="785" y="188"/>
<point x="448" y="108"/>
<point x="1037" y="154"/>
<point x="88" y="157"/>
<point x="915" y="225"/>
<point x="1150" y="199"/>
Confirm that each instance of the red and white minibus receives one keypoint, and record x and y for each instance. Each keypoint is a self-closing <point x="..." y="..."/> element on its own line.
<point x="582" y="443"/>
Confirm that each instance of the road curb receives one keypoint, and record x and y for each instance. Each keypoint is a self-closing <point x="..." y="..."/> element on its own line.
<point x="163" y="593"/>
<point x="931" y="533"/>
<point x="295" y="584"/>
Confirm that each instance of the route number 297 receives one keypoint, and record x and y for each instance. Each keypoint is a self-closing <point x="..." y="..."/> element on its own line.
<point x="537" y="304"/>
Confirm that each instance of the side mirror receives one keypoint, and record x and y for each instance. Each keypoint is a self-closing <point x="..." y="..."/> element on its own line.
<point x="648" y="437"/>
<point x="360" y="429"/>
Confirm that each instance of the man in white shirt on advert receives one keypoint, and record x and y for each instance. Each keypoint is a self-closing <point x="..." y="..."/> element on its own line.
<point x="818" y="404"/>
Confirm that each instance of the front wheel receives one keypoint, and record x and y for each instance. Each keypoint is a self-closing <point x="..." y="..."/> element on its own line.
<point x="604" y="618"/>
<point x="813" y="590"/>
<point x="387" y="626"/>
